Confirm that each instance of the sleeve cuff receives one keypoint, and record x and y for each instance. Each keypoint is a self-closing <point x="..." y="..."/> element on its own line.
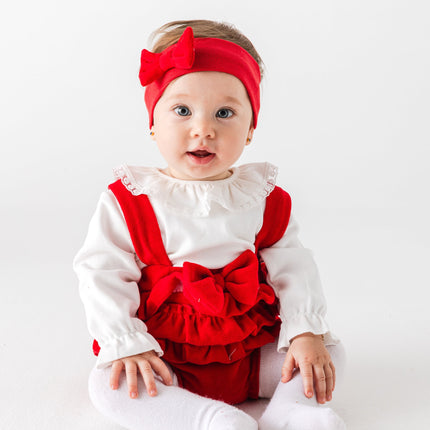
<point x="129" y="344"/>
<point x="304" y="323"/>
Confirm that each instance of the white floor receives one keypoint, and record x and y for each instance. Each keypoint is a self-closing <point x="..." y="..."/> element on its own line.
<point x="377" y="290"/>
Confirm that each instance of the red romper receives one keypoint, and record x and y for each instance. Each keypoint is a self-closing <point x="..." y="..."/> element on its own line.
<point x="209" y="323"/>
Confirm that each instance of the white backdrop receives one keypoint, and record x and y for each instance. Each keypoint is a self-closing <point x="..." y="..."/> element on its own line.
<point x="345" y="115"/>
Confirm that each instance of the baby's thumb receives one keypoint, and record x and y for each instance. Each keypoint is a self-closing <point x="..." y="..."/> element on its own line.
<point x="288" y="368"/>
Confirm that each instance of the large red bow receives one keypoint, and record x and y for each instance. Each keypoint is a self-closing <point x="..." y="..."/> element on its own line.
<point x="205" y="289"/>
<point x="180" y="55"/>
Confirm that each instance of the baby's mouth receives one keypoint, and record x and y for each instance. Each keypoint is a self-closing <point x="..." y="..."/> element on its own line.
<point x="201" y="153"/>
<point x="200" y="156"/>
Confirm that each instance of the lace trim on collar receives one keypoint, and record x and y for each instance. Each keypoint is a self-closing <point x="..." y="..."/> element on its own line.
<point x="248" y="186"/>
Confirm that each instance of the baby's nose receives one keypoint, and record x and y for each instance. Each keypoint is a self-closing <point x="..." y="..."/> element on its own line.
<point x="203" y="127"/>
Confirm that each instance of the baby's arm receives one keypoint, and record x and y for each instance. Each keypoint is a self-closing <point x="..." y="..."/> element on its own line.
<point x="108" y="272"/>
<point x="294" y="276"/>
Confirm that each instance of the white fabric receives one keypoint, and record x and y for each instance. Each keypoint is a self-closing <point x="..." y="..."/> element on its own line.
<point x="176" y="408"/>
<point x="247" y="186"/>
<point x="295" y="279"/>
<point x="208" y="223"/>
<point x="172" y="408"/>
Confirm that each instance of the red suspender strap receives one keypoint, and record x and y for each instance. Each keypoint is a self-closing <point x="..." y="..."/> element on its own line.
<point x="275" y="222"/>
<point x="150" y="250"/>
<point x="276" y="218"/>
<point x="145" y="235"/>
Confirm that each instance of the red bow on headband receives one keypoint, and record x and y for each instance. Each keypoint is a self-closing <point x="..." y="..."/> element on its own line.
<point x="180" y="55"/>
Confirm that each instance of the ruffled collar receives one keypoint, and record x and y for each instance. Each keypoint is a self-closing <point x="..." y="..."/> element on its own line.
<point x="247" y="186"/>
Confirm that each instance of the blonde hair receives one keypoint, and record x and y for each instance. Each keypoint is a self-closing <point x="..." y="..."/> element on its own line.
<point x="169" y="33"/>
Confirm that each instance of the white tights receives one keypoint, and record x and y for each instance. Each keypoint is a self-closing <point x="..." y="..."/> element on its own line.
<point x="179" y="409"/>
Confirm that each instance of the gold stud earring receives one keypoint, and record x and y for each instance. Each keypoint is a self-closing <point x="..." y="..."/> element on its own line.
<point x="151" y="133"/>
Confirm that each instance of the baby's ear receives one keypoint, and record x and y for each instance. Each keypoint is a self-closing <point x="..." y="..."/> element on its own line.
<point x="250" y="133"/>
<point x="152" y="133"/>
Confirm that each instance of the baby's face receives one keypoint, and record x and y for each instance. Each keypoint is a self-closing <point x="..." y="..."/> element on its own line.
<point x="201" y="125"/>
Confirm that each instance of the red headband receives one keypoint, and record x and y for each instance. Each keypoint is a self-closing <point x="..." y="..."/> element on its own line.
<point x="190" y="55"/>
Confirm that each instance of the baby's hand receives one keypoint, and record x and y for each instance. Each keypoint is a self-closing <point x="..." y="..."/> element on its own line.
<point x="147" y="362"/>
<point x="308" y="353"/>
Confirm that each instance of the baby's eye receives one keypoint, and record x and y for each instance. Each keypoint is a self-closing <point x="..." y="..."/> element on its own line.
<point x="182" y="110"/>
<point x="224" y="113"/>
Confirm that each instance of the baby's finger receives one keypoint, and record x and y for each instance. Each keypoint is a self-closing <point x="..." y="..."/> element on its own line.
<point x="131" y="373"/>
<point x="161" y="369"/>
<point x="333" y="370"/>
<point x="115" y="372"/>
<point x="320" y="384"/>
<point x="288" y="368"/>
<point x="307" y="376"/>
<point x="148" y="377"/>
<point x="329" y="381"/>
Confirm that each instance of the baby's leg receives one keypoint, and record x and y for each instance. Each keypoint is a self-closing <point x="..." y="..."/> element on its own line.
<point x="289" y="408"/>
<point x="172" y="408"/>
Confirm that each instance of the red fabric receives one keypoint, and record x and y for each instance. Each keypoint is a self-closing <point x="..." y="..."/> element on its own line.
<point x="276" y="218"/>
<point x="180" y="55"/>
<point x="190" y="55"/>
<point x="211" y="292"/>
<point x="209" y="323"/>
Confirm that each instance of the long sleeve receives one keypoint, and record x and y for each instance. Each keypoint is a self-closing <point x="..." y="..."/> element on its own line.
<point x="294" y="276"/>
<point x="108" y="272"/>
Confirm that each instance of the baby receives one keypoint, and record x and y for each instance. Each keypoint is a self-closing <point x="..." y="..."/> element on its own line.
<point x="194" y="282"/>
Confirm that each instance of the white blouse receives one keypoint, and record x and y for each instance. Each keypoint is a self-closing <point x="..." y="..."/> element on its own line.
<point x="205" y="222"/>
